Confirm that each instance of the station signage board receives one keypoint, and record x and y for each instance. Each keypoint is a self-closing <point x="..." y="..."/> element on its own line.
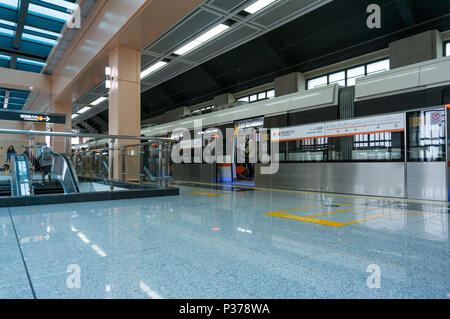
<point x="299" y="132"/>
<point x="356" y="126"/>
<point x="24" y="116"/>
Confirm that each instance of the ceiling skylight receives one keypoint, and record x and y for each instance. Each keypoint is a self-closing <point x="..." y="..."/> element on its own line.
<point x="12" y="4"/>
<point x="42" y="31"/>
<point x="6" y="32"/>
<point x="38" y="39"/>
<point x="61" y="3"/>
<point x="31" y="62"/>
<point x="48" y="13"/>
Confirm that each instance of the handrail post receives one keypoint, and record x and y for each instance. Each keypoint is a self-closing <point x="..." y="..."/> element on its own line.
<point x="111" y="164"/>
<point x="160" y="171"/>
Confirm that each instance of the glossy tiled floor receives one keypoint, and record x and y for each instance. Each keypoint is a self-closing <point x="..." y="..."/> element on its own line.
<point x="210" y="243"/>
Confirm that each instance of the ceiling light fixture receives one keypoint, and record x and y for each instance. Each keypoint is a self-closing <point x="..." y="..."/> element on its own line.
<point x="258" y="6"/>
<point x="202" y="39"/>
<point x="84" y="110"/>
<point x="98" y="101"/>
<point x="152" y="69"/>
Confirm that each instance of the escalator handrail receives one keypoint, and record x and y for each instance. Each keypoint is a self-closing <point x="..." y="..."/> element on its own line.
<point x="71" y="170"/>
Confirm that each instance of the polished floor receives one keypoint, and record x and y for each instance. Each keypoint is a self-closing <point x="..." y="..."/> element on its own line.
<point x="227" y="243"/>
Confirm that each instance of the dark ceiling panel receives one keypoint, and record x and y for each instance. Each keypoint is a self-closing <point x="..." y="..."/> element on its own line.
<point x="226" y="5"/>
<point x="327" y="35"/>
<point x="199" y="21"/>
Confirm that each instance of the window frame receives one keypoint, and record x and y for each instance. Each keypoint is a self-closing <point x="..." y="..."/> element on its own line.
<point x="327" y="75"/>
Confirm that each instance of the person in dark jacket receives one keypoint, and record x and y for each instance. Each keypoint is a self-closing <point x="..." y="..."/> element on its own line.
<point x="10" y="152"/>
<point x="45" y="159"/>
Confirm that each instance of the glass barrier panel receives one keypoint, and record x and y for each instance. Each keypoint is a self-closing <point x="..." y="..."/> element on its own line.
<point x="426" y="135"/>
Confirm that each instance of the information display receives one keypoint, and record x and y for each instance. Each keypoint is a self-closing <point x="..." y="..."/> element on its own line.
<point x="363" y="125"/>
<point x="24" y="116"/>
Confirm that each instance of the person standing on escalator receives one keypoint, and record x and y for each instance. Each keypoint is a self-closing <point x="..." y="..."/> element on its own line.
<point x="45" y="159"/>
<point x="9" y="153"/>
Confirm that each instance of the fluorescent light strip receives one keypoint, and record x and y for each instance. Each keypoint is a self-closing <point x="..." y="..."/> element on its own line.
<point x="49" y="13"/>
<point x="38" y="39"/>
<point x="53" y="34"/>
<point x="84" y="110"/>
<point x="152" y="69"/>
<point x="202" y="39"/>
<point x="98" y="101"/>
<point x="32" y="62"/>
<point x="258" y="6"/>
<point x="74" y="116"/>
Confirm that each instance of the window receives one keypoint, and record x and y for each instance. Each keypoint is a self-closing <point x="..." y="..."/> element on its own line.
<point x="338" y="77"/>
<point x="353" y="74"/>
<point x="378" y="67"/>
<point x="269" y="94"/>
<point x="318" y="82"/>
<point x="348" y="77"/>
<point x="447" y="49"/>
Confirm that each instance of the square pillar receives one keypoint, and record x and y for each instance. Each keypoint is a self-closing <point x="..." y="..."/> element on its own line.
<point x="124" y="99"/>
<point x="224" y="99"/>
<point x="414" y="49"/>
<point x="62" y="144"/>
<point x="289" y="83"/>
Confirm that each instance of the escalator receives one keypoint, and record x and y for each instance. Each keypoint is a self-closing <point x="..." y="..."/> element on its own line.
<point x="53" y="187"/>
<point x="5" y="187"/>
<point x="64" y="178"/>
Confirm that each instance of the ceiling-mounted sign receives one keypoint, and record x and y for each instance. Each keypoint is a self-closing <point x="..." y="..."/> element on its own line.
<point x="24" y="116"/>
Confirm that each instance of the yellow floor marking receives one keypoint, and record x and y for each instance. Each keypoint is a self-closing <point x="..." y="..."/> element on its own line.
<point x="306" y="219"/>
<point x="292" y="209"/>
<point x="432" y="203"/>
<point x="346" y="210"/>
<point x="207" y="194"/>
<point x="332" y="223"/>
<point x="379" y="216"/>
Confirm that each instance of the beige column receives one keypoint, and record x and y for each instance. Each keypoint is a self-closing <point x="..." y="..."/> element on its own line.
<point x="62" y="144"/>
<point x="124" y="99"/>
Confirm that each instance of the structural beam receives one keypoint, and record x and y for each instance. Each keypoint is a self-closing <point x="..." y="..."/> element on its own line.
<point x="24" y="80"/>
<point x="21" y="18"/>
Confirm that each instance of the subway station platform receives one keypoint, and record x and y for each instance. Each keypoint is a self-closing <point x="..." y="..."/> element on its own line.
<point x="227" y="242"/>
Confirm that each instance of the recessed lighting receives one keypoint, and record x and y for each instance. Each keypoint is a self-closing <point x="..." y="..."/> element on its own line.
<point x="98" y="101"/>
<point x="74" y="116"/>
<point x="153" y="68"/>
<point x="84" y="110"/>
<point x="202" y="39"/>
<point x="258" y="5"/>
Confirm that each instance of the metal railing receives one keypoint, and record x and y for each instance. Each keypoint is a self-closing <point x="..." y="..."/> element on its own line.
<point x="146" y="162"/>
